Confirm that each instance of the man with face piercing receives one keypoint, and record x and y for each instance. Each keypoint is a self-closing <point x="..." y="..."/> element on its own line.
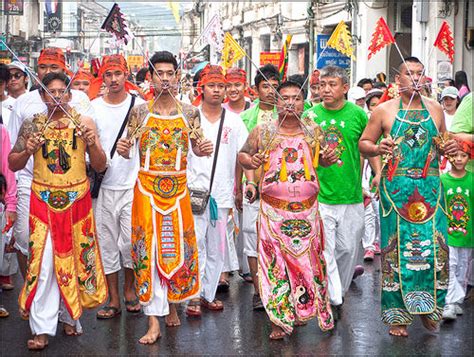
<point x="64" y="265"/>
<point x="164" y="248"/>
<point x="413" y="220"/>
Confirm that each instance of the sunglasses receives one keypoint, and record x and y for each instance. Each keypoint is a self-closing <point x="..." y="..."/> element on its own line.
<point x="18" y="75"/>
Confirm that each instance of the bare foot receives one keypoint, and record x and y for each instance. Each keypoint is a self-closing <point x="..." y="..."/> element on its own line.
<point x="398" y="330"/>
<point x="277" y="333"/>
<point x="430" y="325"/>
<point x="153" y="332"/>
<point x="24" y="314"/>
<point x="70" y="330"/>
<point x="172" y="320"/>
<point x="38" y="342"/>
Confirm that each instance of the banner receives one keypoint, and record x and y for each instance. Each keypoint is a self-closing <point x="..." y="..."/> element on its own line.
<point x="231" y="53"/>
<point x="445" y="41"/>
<point x="283" y="65"/>
<point x="13" y="7"/>
<point x="341" y="40"/>
<point x="381" y="37"/>
<point x="270" y="57"/>
<point x="53" y="16"/>
<point x="135" y="62"/>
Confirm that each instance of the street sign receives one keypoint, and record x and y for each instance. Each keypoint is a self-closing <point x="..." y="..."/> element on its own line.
<point x="270" y="57"/>
<point x="13" y="7"/>
<point x="330" y="56"/>
<point x="135" y="63"/>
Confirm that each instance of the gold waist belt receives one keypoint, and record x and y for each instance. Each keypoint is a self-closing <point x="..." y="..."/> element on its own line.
<point x="413" y="172"/>
<point x="295" y="206"/>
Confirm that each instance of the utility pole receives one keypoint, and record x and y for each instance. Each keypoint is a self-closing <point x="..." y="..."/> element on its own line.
<point x="311" y="36"/>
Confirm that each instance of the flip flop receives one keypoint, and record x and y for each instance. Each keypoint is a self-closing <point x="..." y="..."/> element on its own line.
<point x="132" y="303"/>
<point x="247" y="277"/>
<point x="115" y="312"/>
<point x="192" y="312"/>
<point x="223" y="286"/>
<point x="3" y="312"/>
<point x="215" y="305"/>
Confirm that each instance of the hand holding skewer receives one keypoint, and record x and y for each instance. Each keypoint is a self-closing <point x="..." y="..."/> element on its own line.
<point x="34" y="142"/>
<point x="447" y="145"/>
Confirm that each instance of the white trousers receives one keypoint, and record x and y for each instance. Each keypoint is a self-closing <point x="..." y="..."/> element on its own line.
<point x="249" y="228"/>
<point x="113" y="214"/>
<point x="158" y="306"/>
<point x="372" y="224"/>
<point x="47" y="306"/>
<point x="343" y="230"/>
<point x="239" y="244"/>
<point x="211" y="240"/>
<point x="21" y="228"/>
<point x="231" y="262"/>
<point x="460" y="267"/>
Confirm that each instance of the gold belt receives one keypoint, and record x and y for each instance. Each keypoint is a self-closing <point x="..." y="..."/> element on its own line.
<point x="295" y="206"/>
<point x="412" y="172"/>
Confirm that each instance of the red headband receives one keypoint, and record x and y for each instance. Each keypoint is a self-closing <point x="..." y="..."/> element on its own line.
<point x="113" y="63"/>
<point x="52" y="55"/>
<point x="210" y="74"/>
<point x="236" y="75"/>
<point x="83" y="75"/>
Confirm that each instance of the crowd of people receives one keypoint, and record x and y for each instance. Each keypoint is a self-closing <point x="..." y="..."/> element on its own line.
<point x="180" y="181"/>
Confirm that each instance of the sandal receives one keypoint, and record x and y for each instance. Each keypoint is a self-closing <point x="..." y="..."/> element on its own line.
<point x="247" y="277"/>
<point x="106" y="310"/>
<point x="194" y="309"/>
<point x="215" y="305"/>
<point x="223" y="286"/>
<point x="3" y="312"/>
<point x="132" y="303"/>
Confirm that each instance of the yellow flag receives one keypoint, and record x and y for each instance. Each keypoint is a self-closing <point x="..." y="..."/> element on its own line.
<point x="341" y="40"/>
<point x="174" y="7"/>
<point x="231" y="52"/>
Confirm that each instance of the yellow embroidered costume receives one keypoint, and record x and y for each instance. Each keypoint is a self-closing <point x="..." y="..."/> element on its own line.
<point x="61" y="206"/>
<point x="162" y="221"/>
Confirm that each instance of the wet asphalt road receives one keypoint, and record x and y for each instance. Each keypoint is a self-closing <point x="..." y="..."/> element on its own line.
<point x="238" y="330"/>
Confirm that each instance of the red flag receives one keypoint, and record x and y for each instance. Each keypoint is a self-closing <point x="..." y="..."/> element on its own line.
<point x="380" y="38"/>
<point x="445" y="41"/>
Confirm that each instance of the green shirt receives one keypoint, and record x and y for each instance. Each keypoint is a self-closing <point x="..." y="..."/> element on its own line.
<point x="341" y="183"/>
<point x="460" y="200"/>
<point x="253" y="116"/>
<point x="462" y="122"/>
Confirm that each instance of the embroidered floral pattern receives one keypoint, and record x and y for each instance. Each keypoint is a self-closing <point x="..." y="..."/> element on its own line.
<point x="64" y="278"/>
<point x="139" y="255"/>
<point x="88" y="259"/>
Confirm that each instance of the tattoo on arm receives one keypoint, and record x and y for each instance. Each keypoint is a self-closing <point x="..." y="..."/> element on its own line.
<point x="251" y="145"/>
<point x="27" y="129"/>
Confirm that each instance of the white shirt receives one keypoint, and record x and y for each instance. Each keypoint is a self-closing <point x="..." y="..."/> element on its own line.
<point x="121" y="173"/>
<point x="448" y="119"/>
<point x="234" y="135"/>
<point x="29" y="104"/>
<point x="7" y="108"/>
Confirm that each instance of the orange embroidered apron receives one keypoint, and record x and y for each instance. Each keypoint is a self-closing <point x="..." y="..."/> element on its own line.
<point x="61" y="205"/>
<point x="162" y="219"/>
